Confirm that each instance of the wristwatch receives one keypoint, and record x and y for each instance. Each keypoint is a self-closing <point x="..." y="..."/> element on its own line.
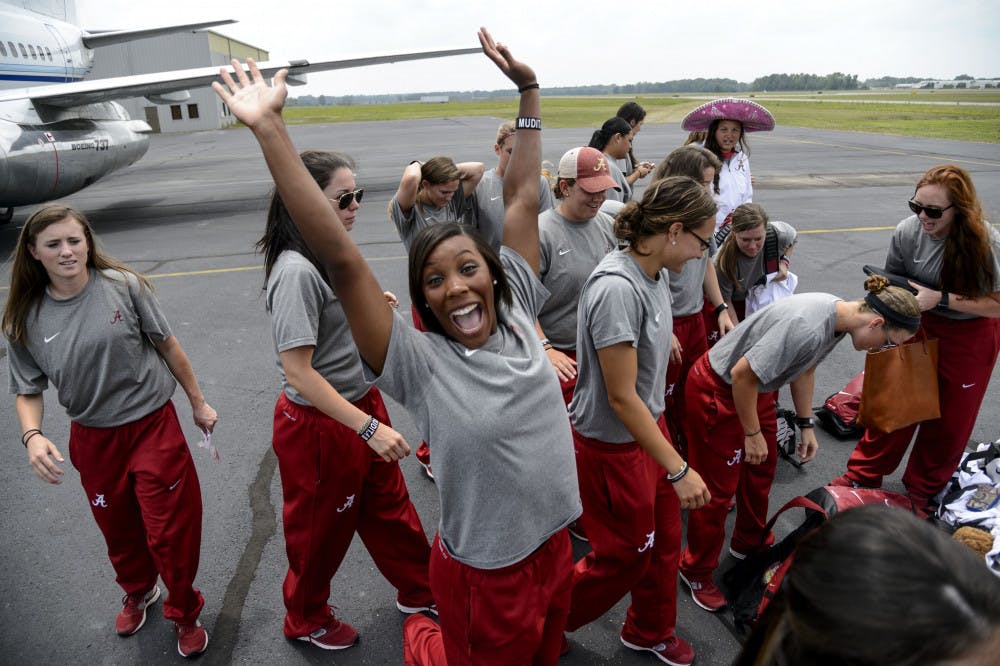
<point x="804" y="423"/>
<point x="720" y="308"/>
<point x="943" y="303"/>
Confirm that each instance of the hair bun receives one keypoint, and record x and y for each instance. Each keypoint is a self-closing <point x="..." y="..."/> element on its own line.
<point x="876" y="284"/>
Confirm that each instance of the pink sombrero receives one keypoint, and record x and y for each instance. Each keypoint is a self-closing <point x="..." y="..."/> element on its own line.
<point x="754" y="117"/>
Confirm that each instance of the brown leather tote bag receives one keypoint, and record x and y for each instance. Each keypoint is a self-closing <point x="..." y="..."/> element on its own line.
<point x="901" y="386"/>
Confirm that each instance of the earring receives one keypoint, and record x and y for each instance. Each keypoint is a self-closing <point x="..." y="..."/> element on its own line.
<point x="427" y="305"/>
<point x="494" y="283"/>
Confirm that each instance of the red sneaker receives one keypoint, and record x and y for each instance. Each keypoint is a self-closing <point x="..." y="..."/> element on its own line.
<point x="133" y="613"/>
<point x="336" y="635"/>
<point x="674" y="651"/>
<point x="705" y="593"/>
<point x="192" y="639"/>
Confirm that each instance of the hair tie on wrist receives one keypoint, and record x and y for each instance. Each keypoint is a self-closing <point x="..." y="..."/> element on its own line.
<point x="28" y="434"/>
<point x="530" y="86"/>
<point x="752" y="434"/>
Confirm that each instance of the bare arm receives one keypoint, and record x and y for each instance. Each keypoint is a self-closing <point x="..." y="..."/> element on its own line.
<point x="41" y="450"/>
<point x="710" y="284"/>
<point x="521" y="179"/>
<point x="258" y="106"/>
<point x="746" y="386"/>
<point x="619" y="367"/>
<point x="471" y="174"/>
<point x="409" y="185"/>
<point x="180" y="367"/>
<point x="802" y="396"/>
<point x="981" y="306"/>
<point x="301" y="374"/>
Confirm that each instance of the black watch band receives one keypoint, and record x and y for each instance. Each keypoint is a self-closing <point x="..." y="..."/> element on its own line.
<point x="804" y="423"/>
<point x="720" y="308"/>
<point x="943" y="303"/>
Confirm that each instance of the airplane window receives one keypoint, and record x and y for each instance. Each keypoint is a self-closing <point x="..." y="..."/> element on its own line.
<point x="13" y="51"/>
<point x="3" y="50"/>
<point x="48" y="53"/>
<point x="24" y="51"/>
<point x="33" y="54"/>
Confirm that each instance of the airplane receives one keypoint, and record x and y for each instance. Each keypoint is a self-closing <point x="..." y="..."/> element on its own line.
<point x="60" y="133"/>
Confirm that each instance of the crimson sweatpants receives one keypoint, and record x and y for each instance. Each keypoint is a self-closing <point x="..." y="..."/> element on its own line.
<point x="690" y="331"/>
<point x="568" y="386"/>
<point x="967" y="353"/>
<point x="632" y="517"/>
<point x="334" y="484"/>
<point x="715" y="450"/>
<point x="511" y="616"/>
<point x="143" y="490"/>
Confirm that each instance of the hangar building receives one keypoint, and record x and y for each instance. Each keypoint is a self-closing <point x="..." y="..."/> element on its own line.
<point x="204" y="110"/>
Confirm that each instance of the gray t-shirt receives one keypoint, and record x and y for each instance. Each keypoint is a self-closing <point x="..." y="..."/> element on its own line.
<point x="916" y="255"/>
<point x="408" y="225"/>
<point x="687" y="288"/>
<point x="569" y="252"/>
<point x="495" y="417"/>
<point x="620" y="303"/>
<point x="489" y="205"/>
<point x="780" y="341"/>
<point x="96" y="348"/>
<point x="626" y="192"/>
<point x="305" y="312"/>
<point x="751" y="269"/>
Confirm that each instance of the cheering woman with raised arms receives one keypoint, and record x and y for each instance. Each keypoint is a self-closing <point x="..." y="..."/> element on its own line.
<point x="501" y="562"/>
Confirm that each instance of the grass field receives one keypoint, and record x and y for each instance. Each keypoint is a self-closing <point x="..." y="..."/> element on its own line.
<point x="905" y="113"/>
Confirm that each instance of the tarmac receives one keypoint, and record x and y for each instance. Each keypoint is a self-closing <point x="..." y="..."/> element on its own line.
<point x="189" y="213"/>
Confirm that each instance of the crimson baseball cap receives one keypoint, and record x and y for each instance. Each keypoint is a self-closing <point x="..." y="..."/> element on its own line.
<point x="589" y="167"/>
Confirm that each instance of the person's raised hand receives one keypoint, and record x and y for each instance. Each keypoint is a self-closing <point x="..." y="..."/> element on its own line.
<point x="251" y="99"/>
<point x="518" y="72"/>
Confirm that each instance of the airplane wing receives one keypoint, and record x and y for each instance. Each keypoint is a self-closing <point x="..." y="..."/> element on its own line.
<point x="159" y="83"/>
<point x="95" y="38"/>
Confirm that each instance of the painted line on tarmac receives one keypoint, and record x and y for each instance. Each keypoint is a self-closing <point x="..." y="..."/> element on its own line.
<point x="887" y="151"/>
<point x="833" y="231"/>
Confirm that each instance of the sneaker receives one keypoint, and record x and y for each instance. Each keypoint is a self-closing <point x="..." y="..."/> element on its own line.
<point x="705" y="593"/>
<point x="844" y="482"/>
<point x="133" y="613"/>
<point x="674" y="651"/>
<point x="423" y="456"/>
<point x="336" y="635"/>
<point x="410" y="610"/>
<point x="576" y="531"/>
<point x="192" y="639"/>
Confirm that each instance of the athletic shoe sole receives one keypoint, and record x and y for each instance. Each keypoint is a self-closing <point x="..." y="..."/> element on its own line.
<point x="410" y="610"/>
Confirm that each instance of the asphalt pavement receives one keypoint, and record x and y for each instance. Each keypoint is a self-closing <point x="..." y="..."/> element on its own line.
<point x="189" y="214"/>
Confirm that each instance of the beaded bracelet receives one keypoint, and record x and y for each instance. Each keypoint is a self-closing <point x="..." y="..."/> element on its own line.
<point x="370" y="427"/>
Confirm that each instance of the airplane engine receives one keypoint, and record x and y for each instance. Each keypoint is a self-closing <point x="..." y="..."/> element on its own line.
<point x="47" y="161"/>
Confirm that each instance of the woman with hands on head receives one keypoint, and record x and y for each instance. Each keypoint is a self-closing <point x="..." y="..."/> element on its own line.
<point x="947" y="243"/>
<point x="633" y="482"/>
<point x="501" y="563"/>
<point x="93" y="327"/>
<point x="337" y="452"/>
<point x="732" y="428"/>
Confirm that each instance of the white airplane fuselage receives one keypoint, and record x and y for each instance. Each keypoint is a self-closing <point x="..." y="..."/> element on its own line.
<point x="46" y="151"/>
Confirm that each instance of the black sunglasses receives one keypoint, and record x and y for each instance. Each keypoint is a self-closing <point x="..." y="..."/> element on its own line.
<point x="705" y="245"/>
<point x="347" y="198"/>
<point x="933" y="213"/>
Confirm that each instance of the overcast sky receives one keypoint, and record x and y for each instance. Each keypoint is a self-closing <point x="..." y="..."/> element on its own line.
<point x="589" y="42"/>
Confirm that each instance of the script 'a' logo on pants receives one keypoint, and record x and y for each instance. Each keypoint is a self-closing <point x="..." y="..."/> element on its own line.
<point x="99" y="501"/>
<point x="347" y="505"/>
<point x="650" y="538"/>
<point x="737" y="457"/>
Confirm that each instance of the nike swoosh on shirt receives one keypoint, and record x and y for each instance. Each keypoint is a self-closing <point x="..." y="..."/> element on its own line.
<point x="562" y="252"/>
<point x="50" y="339"/>
<point x="917" y="261"/>
<point x="496" y="197"/>
<point x="470" y="352"/>
<point x="968" y="385"/>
